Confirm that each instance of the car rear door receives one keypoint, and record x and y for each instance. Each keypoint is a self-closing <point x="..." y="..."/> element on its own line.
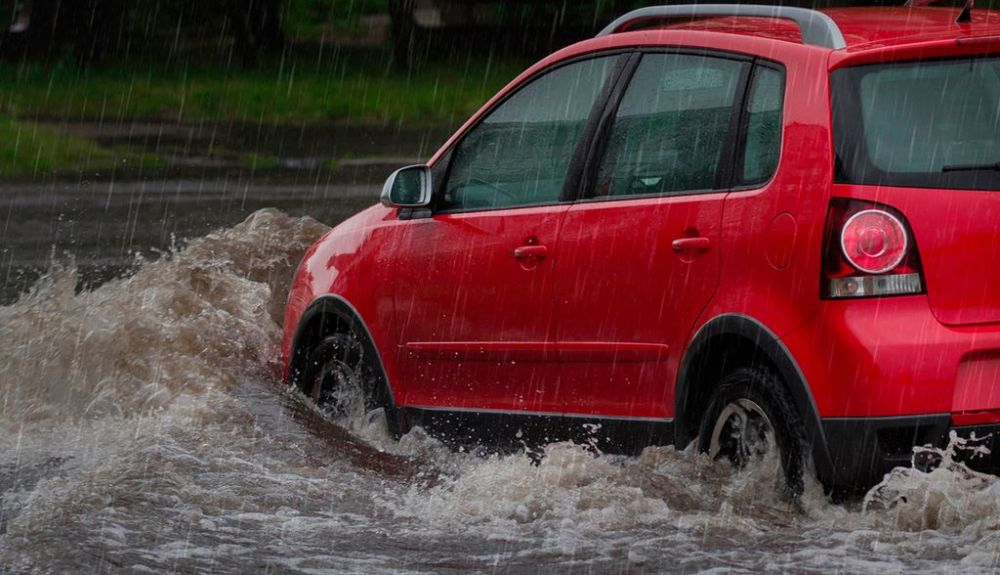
<point x="474" y="281"/>
<point x="639" y="256"/>
<point x="923" y="136"/>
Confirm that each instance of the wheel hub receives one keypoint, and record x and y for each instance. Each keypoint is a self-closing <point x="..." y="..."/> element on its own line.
<point x="335" y="375"/>
<point x="338" y="387"/>
<point x="743" y="433"/>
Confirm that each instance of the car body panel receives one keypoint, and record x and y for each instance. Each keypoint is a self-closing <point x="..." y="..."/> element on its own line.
<point x="346" y="262"/>
<point x="620" y="280"/>
<point x="891" y="356"/>
<point x="790" y="210"/>
<point x="868" y="27"/>
<point x="475" y="324"/>
<point x="957" y="258"/>
<point x="595" y="337"/>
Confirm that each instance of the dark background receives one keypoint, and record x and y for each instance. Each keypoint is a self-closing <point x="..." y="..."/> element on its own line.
<point x="248" y="31"/>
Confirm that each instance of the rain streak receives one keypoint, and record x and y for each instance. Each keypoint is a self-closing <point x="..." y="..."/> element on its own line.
<point x="164" y="167"/>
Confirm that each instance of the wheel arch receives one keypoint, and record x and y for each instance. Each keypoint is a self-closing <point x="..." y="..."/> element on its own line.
<point x="732" y="340"/>
<point x="329" y="314"/>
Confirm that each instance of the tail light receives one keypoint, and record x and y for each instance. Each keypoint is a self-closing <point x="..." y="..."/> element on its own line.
<point x="868" y="251"/>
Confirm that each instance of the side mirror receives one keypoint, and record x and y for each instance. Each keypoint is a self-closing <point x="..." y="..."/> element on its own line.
<point x="408" y="187"/>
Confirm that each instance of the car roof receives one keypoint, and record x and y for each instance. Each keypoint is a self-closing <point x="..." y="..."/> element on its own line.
<point x="888" y="26"/>
<point x="862" y="28"/>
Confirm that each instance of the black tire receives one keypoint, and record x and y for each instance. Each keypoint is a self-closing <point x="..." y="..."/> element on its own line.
<point x="341" y="375"/>
<point x="744" y="391"/>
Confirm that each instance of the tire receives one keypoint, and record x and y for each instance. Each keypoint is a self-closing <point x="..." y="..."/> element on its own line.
<point x="344" y="379"/>
<point x="755" y="395"/>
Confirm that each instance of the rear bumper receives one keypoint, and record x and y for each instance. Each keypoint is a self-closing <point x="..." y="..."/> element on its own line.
<point x="863" y="450"/>
<point x="885" y="375"/>
<point x="887" y="357"/>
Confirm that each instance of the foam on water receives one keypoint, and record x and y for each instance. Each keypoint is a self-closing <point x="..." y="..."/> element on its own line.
<point x="142" y="429"/>
<point x="190" y="323"/>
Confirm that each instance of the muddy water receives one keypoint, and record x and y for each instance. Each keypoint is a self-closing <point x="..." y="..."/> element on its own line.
<point x="142" y="429"/>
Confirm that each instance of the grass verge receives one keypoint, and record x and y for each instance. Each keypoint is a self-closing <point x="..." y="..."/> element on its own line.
<point x="355" y="88"/>
<point x="28" y="149"/>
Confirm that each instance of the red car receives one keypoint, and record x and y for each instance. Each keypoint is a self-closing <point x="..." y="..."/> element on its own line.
<point x="750" y="227"/>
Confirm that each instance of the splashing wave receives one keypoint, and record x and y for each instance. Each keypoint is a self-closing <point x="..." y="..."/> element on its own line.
<point x="196" y="319"/>
<point x="142" y="428"/>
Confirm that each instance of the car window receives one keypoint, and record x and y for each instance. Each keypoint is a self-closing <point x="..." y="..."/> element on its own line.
<point x="928" y="124"/>
<point x="763" y="139"/>
<point x="520" y="153"/>
<point x="670" y="127"/>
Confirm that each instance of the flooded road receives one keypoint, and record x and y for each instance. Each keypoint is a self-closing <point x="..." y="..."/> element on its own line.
<point x="103" y="226"/>
<point x="143" y="429"/>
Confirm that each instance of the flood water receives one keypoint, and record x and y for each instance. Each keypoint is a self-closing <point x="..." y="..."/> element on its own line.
<point x="143" y="429"/>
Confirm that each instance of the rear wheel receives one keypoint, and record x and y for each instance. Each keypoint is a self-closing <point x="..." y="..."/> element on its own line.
<point x="343" y="378"/>
<point x="750" y="416"/>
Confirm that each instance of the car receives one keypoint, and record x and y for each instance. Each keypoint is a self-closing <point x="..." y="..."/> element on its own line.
<point x="752" y="229"/>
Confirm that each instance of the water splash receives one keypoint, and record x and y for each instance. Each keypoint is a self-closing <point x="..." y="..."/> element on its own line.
<point x="195" y="319"/>
<point x="949" y="496"/>
<point x="142" y="428"/>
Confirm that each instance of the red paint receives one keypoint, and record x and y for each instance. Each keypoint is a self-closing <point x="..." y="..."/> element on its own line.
<point x="588" y="351"/>
<point x="975" y="418"/>
<point x="618" y="261"/>
<point x="977" y="384"/>
<point x="473" y="287"/>
<point x="780" y="241"/>
<point x="482" y="350"/>
<point x="537" y="351"/>
<point x="883" y="356"/>
<point x="589" y="307"/>
<point x="956" y="234"/>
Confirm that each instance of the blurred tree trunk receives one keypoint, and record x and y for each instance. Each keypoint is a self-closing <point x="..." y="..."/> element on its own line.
<point x="85" y="29"/>
<point x="256" y="28"/>
<point x="41" y="34"/>
<point x="404" y="31"/>
<point x="97" y="25"/>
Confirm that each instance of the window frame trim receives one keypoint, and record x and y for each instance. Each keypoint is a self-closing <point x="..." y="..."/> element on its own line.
<point x="739" y="157"/>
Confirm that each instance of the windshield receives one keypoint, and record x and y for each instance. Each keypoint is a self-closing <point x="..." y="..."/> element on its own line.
<point x="927" y="124"/>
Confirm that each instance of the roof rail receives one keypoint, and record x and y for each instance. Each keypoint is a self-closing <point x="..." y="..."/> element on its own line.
<point x="817" y="28"/>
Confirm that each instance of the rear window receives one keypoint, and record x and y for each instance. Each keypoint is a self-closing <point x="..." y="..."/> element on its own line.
<point x="926" y="124"/>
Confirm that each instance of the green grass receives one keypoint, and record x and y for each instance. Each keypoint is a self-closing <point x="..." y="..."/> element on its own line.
<point x="259" y="161"/>
<point x="365" y="90"/>
<point x="360" y="89"/>
<point x="28" y="149"/>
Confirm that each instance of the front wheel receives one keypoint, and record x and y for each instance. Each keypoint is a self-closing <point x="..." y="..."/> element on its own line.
<point x="750" y="415"/>
<point x="343" y="378"/>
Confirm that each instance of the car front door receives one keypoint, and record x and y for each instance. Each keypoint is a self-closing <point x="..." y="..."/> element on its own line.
<point x="474" y="281"/>
<point x="639" y="256"/>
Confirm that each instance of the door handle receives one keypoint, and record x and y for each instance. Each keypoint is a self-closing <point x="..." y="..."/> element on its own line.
<point x="531" y="252"/>
<point x="698" y="244"/>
